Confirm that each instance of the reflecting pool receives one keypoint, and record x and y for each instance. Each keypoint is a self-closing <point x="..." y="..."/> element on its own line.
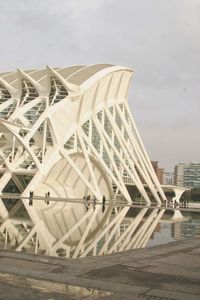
<point x="78" y="229"/>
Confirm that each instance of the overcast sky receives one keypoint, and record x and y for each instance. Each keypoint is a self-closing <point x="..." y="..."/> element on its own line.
<point x="158" y="39"/>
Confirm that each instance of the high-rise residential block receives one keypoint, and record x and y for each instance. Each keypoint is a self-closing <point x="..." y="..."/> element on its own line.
<point x="187" y="175"/>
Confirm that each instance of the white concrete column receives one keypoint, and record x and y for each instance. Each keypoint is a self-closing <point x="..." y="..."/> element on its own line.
<point x="178" y="193"/>
<point x="3" y="181"/>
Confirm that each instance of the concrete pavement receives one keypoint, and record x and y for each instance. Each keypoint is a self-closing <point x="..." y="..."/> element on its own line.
<point x="169" y="271"/>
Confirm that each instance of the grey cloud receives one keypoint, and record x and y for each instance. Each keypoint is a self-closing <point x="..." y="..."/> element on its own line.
<point x="159" y="40"/>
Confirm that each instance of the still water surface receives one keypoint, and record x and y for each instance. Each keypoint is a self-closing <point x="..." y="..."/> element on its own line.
<point x="74" y="230"/>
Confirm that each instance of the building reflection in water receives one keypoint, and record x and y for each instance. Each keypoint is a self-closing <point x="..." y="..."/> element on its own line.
<point x="77" y="231"/>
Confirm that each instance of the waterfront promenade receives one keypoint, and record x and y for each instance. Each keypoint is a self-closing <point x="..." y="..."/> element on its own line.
<point x="169" y="271"/>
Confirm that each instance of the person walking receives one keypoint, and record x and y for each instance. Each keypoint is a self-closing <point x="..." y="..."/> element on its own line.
<point x="187" y="202"/>
<point x="87" y="202"/>
<point x="175" y="204"/>
<point x="103" y="203"/>
<point x="31" y="198"/>
<point x="48" y="196"/>
<point x="184" y="203"/>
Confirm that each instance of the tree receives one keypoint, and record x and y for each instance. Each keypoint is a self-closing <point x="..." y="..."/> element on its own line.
<point x="195" y="194"/>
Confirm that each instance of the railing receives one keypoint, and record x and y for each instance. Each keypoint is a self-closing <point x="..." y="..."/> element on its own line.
<point x="127" y="180"/>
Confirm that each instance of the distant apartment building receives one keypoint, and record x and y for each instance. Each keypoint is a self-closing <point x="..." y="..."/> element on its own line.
<point x="168" y="178"/>
<point x="187" y="175"/>
<point x="159" y="171"/>
<point x="179" y="174"/>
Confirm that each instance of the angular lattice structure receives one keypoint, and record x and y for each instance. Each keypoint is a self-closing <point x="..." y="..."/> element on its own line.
<point x="69" y="131"/>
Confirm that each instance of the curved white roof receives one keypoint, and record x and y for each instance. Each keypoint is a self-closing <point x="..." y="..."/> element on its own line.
<point x="74" y="74"/>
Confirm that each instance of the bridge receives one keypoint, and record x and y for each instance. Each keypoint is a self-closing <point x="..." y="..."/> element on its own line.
<point x="178" y="190"/>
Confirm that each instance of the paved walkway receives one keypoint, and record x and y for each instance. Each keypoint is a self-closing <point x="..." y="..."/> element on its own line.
<point x="169" y="271"/>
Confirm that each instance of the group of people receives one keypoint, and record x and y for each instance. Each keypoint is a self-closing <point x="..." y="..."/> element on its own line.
<point x="31" y="194"/>
<point x="87" y="202"/>
<point x="183" y="203"/>
<point x="171" y="203"/>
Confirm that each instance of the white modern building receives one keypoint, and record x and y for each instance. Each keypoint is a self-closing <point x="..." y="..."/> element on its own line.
<point x="69" y="131"/>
